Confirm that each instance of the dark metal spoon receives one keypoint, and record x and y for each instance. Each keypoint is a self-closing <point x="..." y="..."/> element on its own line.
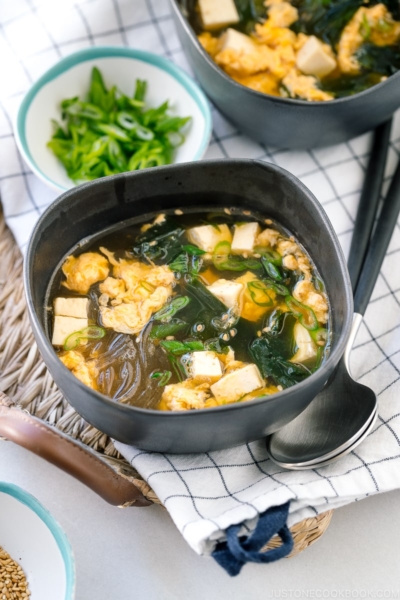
<point x="335" y="421"/>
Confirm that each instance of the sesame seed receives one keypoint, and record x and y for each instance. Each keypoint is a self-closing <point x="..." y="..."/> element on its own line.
<point x="13" y="584"/>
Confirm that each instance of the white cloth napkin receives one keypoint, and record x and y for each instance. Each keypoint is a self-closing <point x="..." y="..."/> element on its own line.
<point x="207" y="493"/>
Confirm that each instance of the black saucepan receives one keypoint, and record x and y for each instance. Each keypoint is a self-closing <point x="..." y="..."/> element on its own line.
<point x="282" y="122"/>
<point x="81" y="213"/>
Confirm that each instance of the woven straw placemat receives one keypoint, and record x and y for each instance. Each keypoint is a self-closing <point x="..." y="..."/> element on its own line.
<point x="25" y="379"/>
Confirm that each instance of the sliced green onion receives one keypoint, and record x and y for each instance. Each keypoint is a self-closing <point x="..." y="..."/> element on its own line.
<point x="75" y="339"/>
<point x="271" y="269"/>
<point x="140" y="91"/>
<point x="250" y="263"/>
<point x="271" y="255"/>
<point x="135" y="103"/>
<point x="132" y="137"/>
<point x="304" y="313"/>
<point x="114" y="131"/>
<point x="175" y="138"/>
<point x="259" y="293"/>
<point x="85" y="110"/>
<point x="163" y="330"/>
<point x="178" y="348"/>
<point x="224" y="262"/>
<point x="278" y="288"/>
<point x="320" y="336"/>
<point x="143" y="133"/>
<point x="163" y="376"/>
<point x="168" y="311"/>
<point x="116" y="156"/>
<point x="126" y="121"/>
<point x="222" y="249"/>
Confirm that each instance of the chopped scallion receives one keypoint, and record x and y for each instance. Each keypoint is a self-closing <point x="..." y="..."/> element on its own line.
<point x="93" y="332"/>
<point x="304" y="313"/>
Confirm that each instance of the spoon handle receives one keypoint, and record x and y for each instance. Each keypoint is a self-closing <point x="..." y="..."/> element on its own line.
<point x="378" y="245"/>
<point x="369" y="201"/>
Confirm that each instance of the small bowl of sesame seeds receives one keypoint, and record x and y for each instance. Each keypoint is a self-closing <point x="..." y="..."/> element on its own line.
<point x="36" y="559"/>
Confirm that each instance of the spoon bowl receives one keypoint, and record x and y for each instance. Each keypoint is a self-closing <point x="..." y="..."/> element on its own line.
<point x="334" y="456"/>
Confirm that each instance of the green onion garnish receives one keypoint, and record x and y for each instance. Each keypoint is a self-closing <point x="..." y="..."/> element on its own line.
<point x="168" y="311"/>
<point x="112" y="133"/>
<point x="75" y="339"/>
<point x="259" y="293"/>
<point x="304" y="313"/>
<point x="224" y="262"/>
<point x="163" y="376"/>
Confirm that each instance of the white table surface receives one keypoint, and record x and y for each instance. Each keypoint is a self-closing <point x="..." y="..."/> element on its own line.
<point x="124" y="554"/>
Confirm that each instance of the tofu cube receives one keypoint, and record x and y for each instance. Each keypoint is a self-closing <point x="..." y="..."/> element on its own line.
<point x="306" y="347"/>
<point x="233" y="386"/>
<point x="71" y="307"/>
<point x="244" y="238"/>
<point x="64" y="326"/>
<point x="313" y="59"/>
<point x="240" y="42"/>
<point x="228" y="292"/>
<point x="205" y="366"/>
<point x="216" y="14"/>
<point x="207" y="237"/>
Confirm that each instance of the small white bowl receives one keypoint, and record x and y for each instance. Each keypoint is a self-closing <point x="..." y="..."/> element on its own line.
<point x="119" y="66"/>
<point x="34" y="539"/>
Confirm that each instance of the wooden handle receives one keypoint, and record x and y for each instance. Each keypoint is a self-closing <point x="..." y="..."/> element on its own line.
<point x="72" y="457"/>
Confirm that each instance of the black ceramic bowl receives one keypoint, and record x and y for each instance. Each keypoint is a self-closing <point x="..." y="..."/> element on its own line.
<point x="282" y="122"/>
<point x="81" y="213"/>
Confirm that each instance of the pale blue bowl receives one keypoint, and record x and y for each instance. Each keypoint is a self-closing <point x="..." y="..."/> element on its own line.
<point x="120" y="66"/>
<point x="33" y="538"/>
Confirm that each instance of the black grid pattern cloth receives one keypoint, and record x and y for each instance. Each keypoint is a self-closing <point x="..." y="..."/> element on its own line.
<point x="205" y="494"/>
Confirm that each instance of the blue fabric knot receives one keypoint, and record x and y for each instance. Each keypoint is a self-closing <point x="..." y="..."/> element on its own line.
<point x="236" y="552"/>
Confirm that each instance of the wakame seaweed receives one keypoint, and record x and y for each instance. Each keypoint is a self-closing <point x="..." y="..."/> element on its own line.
<point x="349" y="85"/>
<point x="162" y="243"/>
<point x="269" y="362"/>
<point x="272" y="351"/>
<point x="324" y="18"/>
<point x="250" y="13"/>
<point x="327" y="18"/>
<point x="379" y="59"/>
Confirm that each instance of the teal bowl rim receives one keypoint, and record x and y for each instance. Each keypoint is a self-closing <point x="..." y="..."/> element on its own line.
<point x="55" y="529"/>
<point x="70" y="61"/>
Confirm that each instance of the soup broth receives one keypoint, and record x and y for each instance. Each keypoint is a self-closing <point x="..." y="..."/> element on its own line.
<point x="191" y="311"/>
